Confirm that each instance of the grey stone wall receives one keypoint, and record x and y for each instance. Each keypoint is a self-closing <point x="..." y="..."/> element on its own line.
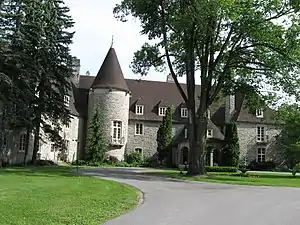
<point x="247" y="139"/>
<point x="68" y="133"/>
<point x="147" y="141"/>
<point x="115" y="106"/>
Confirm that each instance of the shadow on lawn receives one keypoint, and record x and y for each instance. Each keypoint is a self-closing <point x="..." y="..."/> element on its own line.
<point x="45" y="171"/>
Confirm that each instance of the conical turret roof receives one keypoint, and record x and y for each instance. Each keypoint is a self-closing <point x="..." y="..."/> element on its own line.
<point x="110" y="74"/>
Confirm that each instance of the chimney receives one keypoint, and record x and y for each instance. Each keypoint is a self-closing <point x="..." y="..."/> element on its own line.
<point x="170" y="79"/>
<point x="76" y="70"/>
<point x="229" y="107"/>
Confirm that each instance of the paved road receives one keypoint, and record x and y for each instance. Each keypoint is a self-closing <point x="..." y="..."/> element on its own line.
<point x="170" y="202"/>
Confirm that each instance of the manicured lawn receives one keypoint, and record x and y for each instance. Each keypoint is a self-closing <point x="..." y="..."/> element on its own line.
<point x="260" y="179"/>
<point x="52" y="196"/>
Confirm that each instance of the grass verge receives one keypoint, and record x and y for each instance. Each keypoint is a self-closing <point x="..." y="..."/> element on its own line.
<point x="53" y="196"/>
<point x="259" y="179"/>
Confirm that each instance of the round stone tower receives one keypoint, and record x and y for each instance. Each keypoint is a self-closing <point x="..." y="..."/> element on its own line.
<point x="110" y="93"/>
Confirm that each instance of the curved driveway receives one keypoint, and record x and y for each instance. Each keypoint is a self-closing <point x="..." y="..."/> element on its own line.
<point x="172" y="202"/>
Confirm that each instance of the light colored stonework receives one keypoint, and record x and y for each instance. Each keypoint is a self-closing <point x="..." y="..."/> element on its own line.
<point x="247" y="140"/>
<point x="147" y="141"/>
<point x="115" y="107"/>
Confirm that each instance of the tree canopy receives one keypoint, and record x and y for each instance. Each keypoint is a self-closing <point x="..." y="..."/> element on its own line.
<point x="234" y="45"/>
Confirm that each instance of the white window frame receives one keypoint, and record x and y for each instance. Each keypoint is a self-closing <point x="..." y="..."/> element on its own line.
<point x="68" y="125"/>
<point x="139" y="110"/>
<point x="116" y="127"/>
<point x="22" y="142"/>
<point x="67" y="100"/>
<point x="261" y="154"/>
<point x="184" y="112"/>
<point x="185" y="133"/>
<point x="53" y="147"/>
<point x="210" y="133"/>
<point x="162" y="111"/>
<point x="139" y="130"/>
<point x="261" y="134"/>
<point x="259" y="113"/>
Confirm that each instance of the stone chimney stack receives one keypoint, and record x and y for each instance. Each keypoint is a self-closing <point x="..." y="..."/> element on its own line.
<point x="229" y="107"/>
<point x="170" y="79"/>
<point x="76" y="71"/>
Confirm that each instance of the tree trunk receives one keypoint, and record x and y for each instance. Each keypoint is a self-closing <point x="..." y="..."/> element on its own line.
<point x="198" y="149"/>
<point x="39" y="110"/>
<point x="28" y="131"/>
<point x="36" y="139"/>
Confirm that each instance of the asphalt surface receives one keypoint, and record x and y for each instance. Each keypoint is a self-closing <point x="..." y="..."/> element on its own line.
<point x="172" y="202"/>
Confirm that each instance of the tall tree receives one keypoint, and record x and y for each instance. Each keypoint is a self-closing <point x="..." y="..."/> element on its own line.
<point x="288" y="117"/>
<point x="97" y="142"/>
<point x="231" y="151"/>
<point x="232" y="44"/>
<point x="57" y="68"/>
<point x="164" y="136"/>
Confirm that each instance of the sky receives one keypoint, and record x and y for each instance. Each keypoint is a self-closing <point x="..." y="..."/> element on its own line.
<point x="94" y="26"/>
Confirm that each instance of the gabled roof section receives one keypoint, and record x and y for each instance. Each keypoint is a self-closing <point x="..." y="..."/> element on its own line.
<point x="110" y="74"/>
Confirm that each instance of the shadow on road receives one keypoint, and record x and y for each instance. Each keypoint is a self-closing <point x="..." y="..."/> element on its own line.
<point x="124" y="173"/>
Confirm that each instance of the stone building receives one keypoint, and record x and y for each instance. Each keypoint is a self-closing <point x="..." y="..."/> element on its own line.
<point x="133" y="110"/>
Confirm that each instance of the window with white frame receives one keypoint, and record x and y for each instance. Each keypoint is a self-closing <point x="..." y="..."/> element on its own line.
<point x="139" y="128"/>
<point x="261" y="154"/>
<point x="139" y="109"/>
<point x="185" y="133"/>
<point x="139" y="150"/>
<point x="259" y="113"/>
<point x="67" y="100"/>
<point x="68" y="125"/>
<point x="184" y="112"/>
<point x="117" y="130"/>
<point x="261" y="134"/>
<point x="22" y="143"/>
<point x="209" y="133"/>
<point x="162" y="111"/>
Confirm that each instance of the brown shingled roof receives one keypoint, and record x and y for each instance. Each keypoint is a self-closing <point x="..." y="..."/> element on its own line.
<point x="110" y="74"/>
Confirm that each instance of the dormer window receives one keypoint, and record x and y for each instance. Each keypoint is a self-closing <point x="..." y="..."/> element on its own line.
<point x="139" y="110"/>
<point x="184" y="112"/>
<point x="67" y="100"/>
<point x="259" y="113"/>
<point x="162" y="111"/>
<point x="209" y="133"/>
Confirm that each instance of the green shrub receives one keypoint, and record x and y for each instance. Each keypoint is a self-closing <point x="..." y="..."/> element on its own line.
<point x="79" y="163"/>
<point x="134" y="158"/>
<point x="227" y="169"/>
<point x="262" y="166"/>
<point x="296" y="169"/>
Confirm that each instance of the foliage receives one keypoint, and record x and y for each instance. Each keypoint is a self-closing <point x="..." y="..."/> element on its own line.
<point x="234" y="45"/>
<point x="288" y="117"/>
<point x="97" y="141"/>
<point x="262" y="166"/>
<point x="231" y="152"/>
<point x="35" y="64"/>
<point x="164" y="136"/>
<point x="296" y="169"/>
<point x="134" y="158"/>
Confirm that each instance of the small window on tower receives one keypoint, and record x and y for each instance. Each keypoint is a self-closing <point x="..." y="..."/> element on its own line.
<point x="259" y="113"/>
